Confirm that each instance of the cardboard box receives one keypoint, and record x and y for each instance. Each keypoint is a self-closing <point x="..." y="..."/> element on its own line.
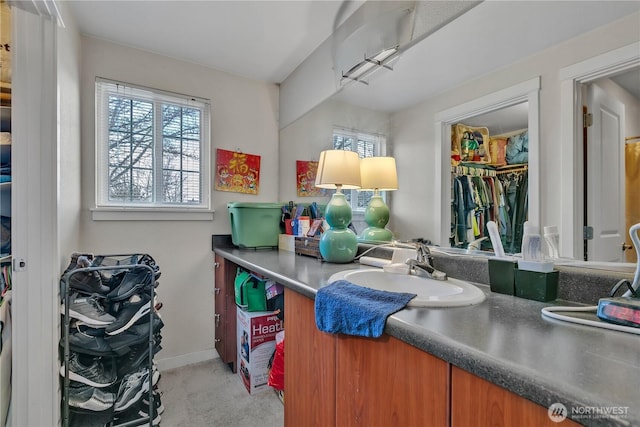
<point x="256" y="343"/>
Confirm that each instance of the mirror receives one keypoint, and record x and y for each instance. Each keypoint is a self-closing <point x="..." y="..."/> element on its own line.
<point x="451" y="68"/>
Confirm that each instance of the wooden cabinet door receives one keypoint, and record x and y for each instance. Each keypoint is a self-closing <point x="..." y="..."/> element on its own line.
<point x="309" y="367"/>
<point x="385" y="382"/>
<point x="477" y="402"/>
<point x="225" y="313"/>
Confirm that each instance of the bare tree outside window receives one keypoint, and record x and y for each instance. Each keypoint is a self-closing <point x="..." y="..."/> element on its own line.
<point x="132" y="152"/>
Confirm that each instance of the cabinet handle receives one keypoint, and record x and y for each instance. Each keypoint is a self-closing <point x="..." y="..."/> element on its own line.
<point x="216" y="290"/>
<point x="216" y="264"/>
<point x="217" y="317"/>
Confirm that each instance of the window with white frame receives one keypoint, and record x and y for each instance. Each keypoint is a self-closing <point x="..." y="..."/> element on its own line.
<point x="366" y="145"/>
<point x="152" y="148"/>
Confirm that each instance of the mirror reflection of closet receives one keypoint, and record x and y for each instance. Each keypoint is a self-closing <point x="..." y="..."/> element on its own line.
<point x="489" y="178"/>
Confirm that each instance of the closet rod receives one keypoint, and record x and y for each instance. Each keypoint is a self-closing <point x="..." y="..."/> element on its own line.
<point x="513" y="170"/>
<point x="631" y="138"/>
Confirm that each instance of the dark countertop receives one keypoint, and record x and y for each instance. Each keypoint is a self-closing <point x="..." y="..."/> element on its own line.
<point x="504" y="340"/>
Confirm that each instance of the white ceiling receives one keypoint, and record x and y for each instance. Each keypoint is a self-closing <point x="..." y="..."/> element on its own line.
<point x="263" y="40"/>
<point x="490" y="36"/>
<point x="266" y="39"/>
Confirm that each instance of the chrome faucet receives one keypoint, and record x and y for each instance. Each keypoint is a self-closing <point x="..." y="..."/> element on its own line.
<point x="424" y="262"/>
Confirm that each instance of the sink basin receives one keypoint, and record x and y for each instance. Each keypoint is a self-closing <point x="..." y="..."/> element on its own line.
<point x="430" y="292"/>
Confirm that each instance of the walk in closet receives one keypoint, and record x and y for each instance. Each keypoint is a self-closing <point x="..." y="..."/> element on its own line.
<point x="489" y="178"/>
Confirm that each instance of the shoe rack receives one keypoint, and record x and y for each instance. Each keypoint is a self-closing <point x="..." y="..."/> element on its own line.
<point x="108" y="266"/>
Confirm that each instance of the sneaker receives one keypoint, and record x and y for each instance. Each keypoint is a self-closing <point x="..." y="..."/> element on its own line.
<point x="89" y="311"/>
<point x="123" y="342"/>
<point x="130" y="312"/>
<point x="131" y="389"/>
<point x="138" y="415"/>
<point x="88" y="398"/>
<point x="133" y="360"/>
<point x="81" y="342"/>
<point x="132" y="282"/>
<point x="157" y="402"/>
<point x="86" y="281"/>
<point x="73" y="264"/>
<point x="92" y="374"/>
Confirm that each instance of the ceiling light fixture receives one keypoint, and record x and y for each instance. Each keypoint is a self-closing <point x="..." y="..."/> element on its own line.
<point x="367" y="66"/>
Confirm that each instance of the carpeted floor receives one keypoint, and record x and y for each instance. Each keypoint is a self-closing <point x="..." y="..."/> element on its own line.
<point x="208" y="394"/>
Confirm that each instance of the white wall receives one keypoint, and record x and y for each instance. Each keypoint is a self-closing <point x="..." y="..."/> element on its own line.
<point x="245" y="116"/>
<point x="313" y="133"/>
<point x="68" y="158"/>
<point x="415" y="206"/>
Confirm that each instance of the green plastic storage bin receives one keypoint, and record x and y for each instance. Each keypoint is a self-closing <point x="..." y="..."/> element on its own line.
<point x="255" y="225"/>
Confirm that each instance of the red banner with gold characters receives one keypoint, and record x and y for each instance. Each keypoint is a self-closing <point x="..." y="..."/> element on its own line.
<point x="306" y="178"/>
<point x="237" y="172"/>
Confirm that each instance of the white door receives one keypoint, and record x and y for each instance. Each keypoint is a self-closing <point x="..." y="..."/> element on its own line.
<point x="605" y="176"/>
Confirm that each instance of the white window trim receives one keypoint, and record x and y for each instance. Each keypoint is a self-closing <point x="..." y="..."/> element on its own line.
<point x="380" y="142"/>
<point x="109" y="211"/>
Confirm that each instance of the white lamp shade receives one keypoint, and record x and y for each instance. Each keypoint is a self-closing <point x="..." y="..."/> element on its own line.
<point x="338" y="167"/>
<point x="378" y="173"/>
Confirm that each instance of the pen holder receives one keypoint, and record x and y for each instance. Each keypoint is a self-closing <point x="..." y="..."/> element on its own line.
<point x="502" y="275"/>
<point x="536" y="285"/>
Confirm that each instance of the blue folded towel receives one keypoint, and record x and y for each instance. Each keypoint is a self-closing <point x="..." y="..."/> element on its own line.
<point x="343" y="307"/>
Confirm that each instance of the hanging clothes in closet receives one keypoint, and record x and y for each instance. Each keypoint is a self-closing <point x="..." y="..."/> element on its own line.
<point x="516" y="206"/>
<point x="483" y="195"/>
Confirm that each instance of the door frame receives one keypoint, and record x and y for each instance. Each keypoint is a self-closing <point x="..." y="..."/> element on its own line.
<point x="527" y="91"/>
<point x="35" y="395"/>
<point x="571" y="100"/>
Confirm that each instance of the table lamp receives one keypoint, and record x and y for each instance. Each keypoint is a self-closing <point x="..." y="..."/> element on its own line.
<point x="377" y="174"/>
<point x="338" y="169"/>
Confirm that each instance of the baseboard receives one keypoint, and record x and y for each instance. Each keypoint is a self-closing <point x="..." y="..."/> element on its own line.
<point x="186" y="359"/>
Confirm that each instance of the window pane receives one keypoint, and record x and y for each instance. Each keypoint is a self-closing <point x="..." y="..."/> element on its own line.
<point x="171" y="119"/>
<point x="191" y="156"/>
<point x="142" y="150"/>
<point x="171" y="153"/>
<point x="119" y="148"/>
<point x="119" y="114"/>
<point x="181" y="154"/>
<point x="142" y="185"/>
<point x="191" y="187"/>
<point x="191" y="123"/>
<point x="130" y="149"/>
<point x="171" y="186"/>
<point x="119" y="183"/>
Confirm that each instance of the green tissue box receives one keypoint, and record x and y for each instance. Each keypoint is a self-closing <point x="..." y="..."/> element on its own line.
<point x="502" y="275"/>
<point x="537" y="286"/>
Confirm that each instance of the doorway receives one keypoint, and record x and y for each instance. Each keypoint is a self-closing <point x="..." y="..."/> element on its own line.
<point x="575" y="79"/>
<point x="525" y="93"/>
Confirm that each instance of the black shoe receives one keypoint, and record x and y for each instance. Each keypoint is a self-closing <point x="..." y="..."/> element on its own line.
<point x="157" y="402"/>
<point x="133" y="360"/>
<point x="129" y="313"/>
<point x="134" y="281"/>
<point x="90" y="371"/>
<point x="123" y="342"/>
<point x="84" y="343"/>
<point x="86" y="281"/>
<point x="138" y="415"/>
